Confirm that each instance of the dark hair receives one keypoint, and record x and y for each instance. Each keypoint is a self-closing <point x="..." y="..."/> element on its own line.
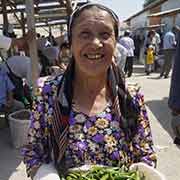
<point x="64" y="45"/>
<point x="38" y="35"/>
<point x="78" y="12"/>
<point x="127" y="33"/>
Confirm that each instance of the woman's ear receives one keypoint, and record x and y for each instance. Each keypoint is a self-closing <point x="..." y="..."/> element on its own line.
<point x="115" y="51"/>
<point x="70" y="51"/>
<point x="70" y="48"/>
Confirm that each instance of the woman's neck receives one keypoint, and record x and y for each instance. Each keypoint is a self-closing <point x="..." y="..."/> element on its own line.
<point x="91" y="94"/>
<point x="91" y="85"/>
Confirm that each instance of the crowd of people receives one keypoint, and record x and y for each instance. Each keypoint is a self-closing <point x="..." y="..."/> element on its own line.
<point x="84" y="113"/>
<point x="16" y="92"/>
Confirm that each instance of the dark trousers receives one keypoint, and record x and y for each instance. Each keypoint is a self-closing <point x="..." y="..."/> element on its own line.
<point x="168" y="59"/>
<point x="128" y="69"/>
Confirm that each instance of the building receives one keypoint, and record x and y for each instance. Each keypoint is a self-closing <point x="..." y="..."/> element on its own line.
<point x="161" y="14"/>
<point x="169" y="15"/>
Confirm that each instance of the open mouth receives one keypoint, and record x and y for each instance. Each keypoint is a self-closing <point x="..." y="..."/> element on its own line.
<point x="94" y="57"/>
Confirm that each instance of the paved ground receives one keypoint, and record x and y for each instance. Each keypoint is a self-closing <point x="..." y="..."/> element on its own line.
<point x="156" y="96"/>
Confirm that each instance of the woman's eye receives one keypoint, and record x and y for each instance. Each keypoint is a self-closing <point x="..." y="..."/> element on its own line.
<point x="84" y="35"/>
<point x="105" y="35"/>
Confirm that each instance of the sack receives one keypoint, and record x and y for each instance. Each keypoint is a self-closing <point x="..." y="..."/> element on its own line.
<point x="18" y="83"/>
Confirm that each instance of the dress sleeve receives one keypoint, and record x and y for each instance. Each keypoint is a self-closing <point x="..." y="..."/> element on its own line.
<point x="142" y="144"/>
<point x="37" y="151"/>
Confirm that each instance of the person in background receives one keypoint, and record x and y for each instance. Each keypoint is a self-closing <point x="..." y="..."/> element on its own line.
<point x="157" y="43"/>
<point x="64" y="56"/>
<point x="169" y="44"/>
<point x="62" y="61"/>
<point x="7" y="42"/>
<point x="150" y="54"/>
<point x="156" y="40"/>
<point x="128" y="43"/>
<point x="174" y="95"/>
<point x="86" y="115"/>
<point x="149" y="41"/>
<point x="121" y="55"/>
<point x="19" y="71"/>
<point x="51" y="53"/>
<point x="20" y="66"/>
<point x="138" y="41"/>
<point x="7" y="103"/>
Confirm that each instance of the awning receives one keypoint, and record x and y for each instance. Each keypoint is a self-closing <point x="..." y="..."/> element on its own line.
<point x="150" y="27"/>
<point x="165" y="13"/>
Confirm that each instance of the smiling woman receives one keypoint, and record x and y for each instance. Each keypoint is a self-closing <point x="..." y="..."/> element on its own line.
<point x="94" y="32"/>
<point x="86" y="115"/>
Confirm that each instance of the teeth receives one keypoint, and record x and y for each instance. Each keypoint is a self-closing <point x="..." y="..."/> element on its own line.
<point x="94" y="57"/>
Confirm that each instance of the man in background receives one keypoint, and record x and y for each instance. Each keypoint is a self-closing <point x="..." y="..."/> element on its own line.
<point x="169" y="44"/>
<point x="128" y="43"/>
<point x="120" y="56"/>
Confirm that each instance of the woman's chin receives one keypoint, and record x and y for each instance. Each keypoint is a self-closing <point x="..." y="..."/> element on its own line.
<point x="95" y="72"/>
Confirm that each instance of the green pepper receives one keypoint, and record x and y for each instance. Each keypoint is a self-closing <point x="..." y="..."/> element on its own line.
<point x="104" y="173"/>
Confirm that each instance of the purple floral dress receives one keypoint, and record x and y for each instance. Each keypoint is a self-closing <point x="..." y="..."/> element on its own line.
<point x="92" y="140"/>
<point x="100" y="139"/>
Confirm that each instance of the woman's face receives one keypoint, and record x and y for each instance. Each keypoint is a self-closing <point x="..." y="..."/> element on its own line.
<point x="93" y="41"/>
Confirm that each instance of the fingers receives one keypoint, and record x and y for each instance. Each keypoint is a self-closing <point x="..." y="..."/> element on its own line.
<point x="47" y="172"/>
<point x="148" y="171"/>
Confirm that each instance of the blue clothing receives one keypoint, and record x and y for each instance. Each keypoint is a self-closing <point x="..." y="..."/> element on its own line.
<point x="169" y="40"/>
<point x="6" y="86"/>
<point x="174" y="97"/>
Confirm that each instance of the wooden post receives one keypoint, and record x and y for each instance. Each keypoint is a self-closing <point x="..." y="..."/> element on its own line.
<point x="5" y="18"/>
<point x="32" y="44"/>
<point x="23" y="23"/>
<point x="69" y="8"/>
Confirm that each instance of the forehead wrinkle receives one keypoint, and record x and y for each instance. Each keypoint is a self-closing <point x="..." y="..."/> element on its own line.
<point x="95" y="15"/>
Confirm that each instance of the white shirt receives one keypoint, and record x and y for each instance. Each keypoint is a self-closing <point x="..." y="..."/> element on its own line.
<point x="5" y="42"/>
<point x="128" y="43"/>
<point x="169" y="40"/>
<point x="121" y="54"/>
<point x="20" y="66"/>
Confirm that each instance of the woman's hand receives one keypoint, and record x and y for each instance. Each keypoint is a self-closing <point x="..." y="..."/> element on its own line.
<point x="47" y="172"/>
<point x="149" y="172"/>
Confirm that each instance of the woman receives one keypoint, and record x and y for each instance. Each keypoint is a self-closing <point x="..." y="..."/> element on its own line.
<point x="149" y="42"/>
<point x="63" y="59"/>
<point x="87" y="116"/>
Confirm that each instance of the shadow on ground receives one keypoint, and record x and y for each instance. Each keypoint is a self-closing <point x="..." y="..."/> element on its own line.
<point x="138" y="70"/>
<point x="10" y="157"/>
<point x="160" y="110"/>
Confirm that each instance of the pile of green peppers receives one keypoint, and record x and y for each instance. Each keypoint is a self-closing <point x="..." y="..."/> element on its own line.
<point x="104" y="173"/>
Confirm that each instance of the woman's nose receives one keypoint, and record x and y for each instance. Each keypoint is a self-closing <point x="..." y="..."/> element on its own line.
<point x="97" y="42"/>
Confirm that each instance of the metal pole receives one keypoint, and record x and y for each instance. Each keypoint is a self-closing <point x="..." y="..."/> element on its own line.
<point x="32" y="44"/>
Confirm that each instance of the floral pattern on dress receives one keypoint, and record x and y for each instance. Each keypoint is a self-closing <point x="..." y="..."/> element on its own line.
<point x="92" y="140"/>
<point x="103" y="141"/>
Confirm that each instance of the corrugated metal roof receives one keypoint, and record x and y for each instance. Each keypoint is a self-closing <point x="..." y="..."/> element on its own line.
<point x="164" y="13"/>
<point x="45" y="10"/>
